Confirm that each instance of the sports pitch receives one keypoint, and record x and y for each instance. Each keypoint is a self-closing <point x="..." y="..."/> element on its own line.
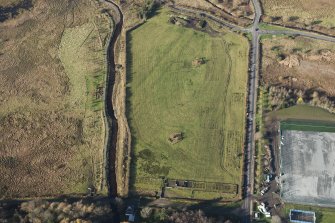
<point x="307" y="165"/>
<point x="167" y="93"/>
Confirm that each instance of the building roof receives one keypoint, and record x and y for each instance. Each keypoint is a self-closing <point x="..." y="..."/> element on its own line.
<point x="299" y="216"/>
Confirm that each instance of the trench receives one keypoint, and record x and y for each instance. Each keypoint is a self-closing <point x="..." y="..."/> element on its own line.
<point x="112" y="123"/>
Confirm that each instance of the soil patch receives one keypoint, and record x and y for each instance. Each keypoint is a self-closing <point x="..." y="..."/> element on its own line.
<point x="306" y="66"/>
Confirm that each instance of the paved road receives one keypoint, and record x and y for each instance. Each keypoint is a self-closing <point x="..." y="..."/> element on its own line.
<point x="299" y="33"/>
<point x="209" y="16"/>
<point x="248" y="183"/>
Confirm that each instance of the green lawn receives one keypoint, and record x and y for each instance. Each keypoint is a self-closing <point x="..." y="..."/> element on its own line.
<point x="167" y="94"/>
<point x="304" y="112"/>
<point x="265" y="26"/>
<point x="305" y="118"/>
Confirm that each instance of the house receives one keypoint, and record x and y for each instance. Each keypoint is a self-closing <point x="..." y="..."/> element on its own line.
<point x="263" y="210"/>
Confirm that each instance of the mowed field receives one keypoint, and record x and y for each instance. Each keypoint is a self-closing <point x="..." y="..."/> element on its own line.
<point x="52" y="72"/>
<point x="306" y="11"/>
<point x="206" y="103"/>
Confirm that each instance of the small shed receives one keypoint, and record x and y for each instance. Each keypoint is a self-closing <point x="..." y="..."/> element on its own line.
<point x="171" y="183"/>
<point x="130" y="214"/>
<point x="300" y="216"/>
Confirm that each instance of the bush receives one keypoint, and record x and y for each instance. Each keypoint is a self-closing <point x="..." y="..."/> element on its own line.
<point x="189" y="217"/>
<point x="280" y="97"/>
<point x="45" y="211"/>
<point x="202" y="23"/>
<point x="148" y="9"/>
<point x="146" y="212"/>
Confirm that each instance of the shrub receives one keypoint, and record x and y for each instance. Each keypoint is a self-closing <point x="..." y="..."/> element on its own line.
<point x="45" y="211"/>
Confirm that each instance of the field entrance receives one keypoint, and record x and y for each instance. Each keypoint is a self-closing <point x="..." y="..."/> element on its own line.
<point x="186" y="96"/>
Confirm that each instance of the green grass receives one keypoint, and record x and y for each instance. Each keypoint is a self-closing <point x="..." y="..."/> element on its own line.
<point x="323" y="215"/>
<point x="179" y="193"/>
<point x="265" y="26"/>
<point x="166" y="94"/>
<point x="304" y="112"/>
<point x="303" y="125"/>
<point x="85" y="68"/>
<point x="196" y="194"/>
<point x="305" y="118"/>
<point x="271" y="36"/>
<point x="82" y="52"/>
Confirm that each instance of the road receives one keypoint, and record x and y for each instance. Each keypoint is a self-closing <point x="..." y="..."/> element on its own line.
<point x="205" y="14"/>
<point x="299" y="33"/>
<point x="248" y="183"/>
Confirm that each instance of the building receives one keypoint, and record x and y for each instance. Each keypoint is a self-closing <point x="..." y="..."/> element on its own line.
<point x="299" y="216"/>
<point x="130" y="214"/>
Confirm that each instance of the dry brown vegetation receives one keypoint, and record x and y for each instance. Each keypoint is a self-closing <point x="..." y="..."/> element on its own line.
<point x="51" y="139"/>
<point x="5" y="3"/>
<point x="236" y="11"/>
<point x="318" y="15"/>
<point x="163" y="215"/>
<point x="239" y="8"/>
<point x="62" y="211"/>
<point x="302" y="64"/>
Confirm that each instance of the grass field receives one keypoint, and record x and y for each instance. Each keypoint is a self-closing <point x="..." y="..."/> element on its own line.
<point x="167" y="94"/>
<point x="304" y="112"/>
<point x="266" y="26"/>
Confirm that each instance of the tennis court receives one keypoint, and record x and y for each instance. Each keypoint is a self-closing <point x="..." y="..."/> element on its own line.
<point x="307" y="165"/>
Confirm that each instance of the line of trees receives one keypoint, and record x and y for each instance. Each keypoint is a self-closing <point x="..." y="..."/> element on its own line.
<point x="281" y="97"/>
<point x="163" y="215"/>
<point x="39" y="211"/>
